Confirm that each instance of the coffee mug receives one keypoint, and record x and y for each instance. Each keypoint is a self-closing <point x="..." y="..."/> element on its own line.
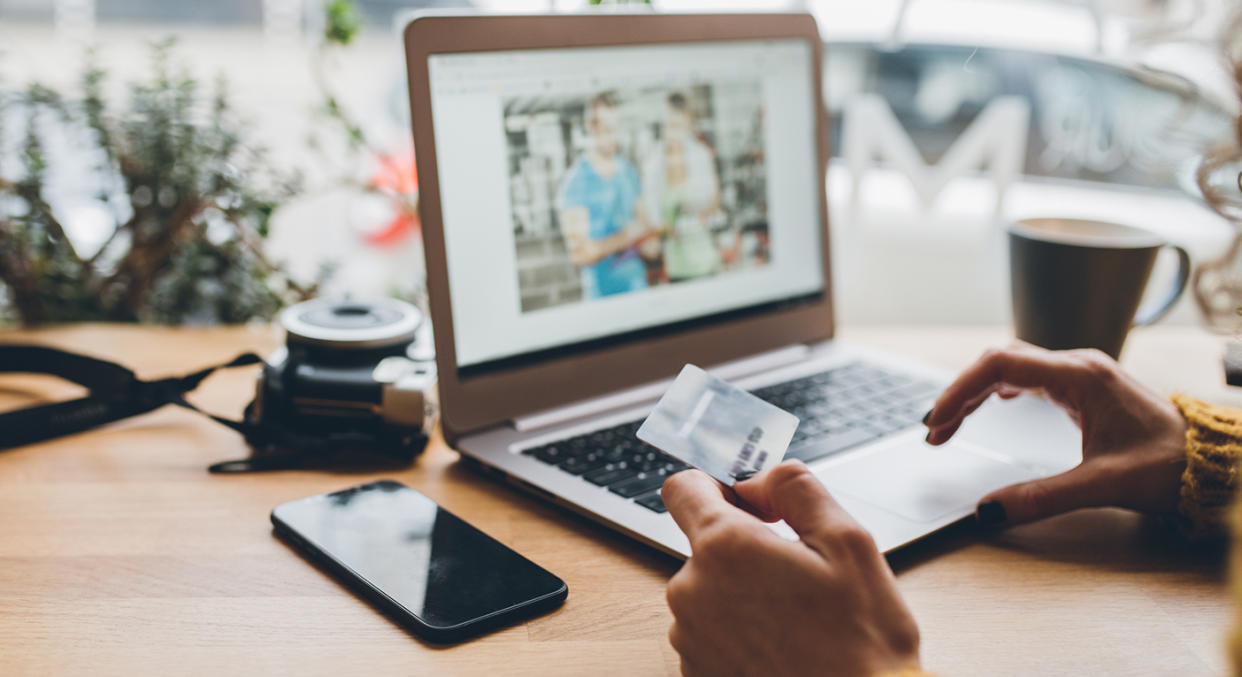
<point x="1078" y="283"/>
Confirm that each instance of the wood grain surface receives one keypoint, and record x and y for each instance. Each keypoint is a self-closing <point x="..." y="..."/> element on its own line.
<point x="121" y="555"/>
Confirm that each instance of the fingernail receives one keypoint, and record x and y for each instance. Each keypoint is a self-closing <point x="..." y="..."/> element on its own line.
<point x="990" y="513"/>
<point x="927" y="416"/>
<point x="744" y="475"/>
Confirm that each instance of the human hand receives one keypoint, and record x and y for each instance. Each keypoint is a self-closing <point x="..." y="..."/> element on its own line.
<point x="637" y="232"/>
<point x="1133" y="440"/>
<point x="651" y="248"/>
<point x="584" y="252"/>
<point x="749" y="602"/>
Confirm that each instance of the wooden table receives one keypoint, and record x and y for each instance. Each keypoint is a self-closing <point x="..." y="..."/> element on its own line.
<point x="120" y="555"/>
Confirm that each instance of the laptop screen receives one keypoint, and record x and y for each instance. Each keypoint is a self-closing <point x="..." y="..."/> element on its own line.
<point x="598" y="195"/>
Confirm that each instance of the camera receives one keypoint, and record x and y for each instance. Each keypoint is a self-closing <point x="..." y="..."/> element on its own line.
<point x="353" y="376"/>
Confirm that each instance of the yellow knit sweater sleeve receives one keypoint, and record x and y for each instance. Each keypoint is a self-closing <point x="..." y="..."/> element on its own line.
<point x="1213" y="450"/>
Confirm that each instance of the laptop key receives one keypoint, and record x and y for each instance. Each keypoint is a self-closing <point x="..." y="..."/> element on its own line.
<point x="577" y="465"/>
<point x="578" y="444"/>
<point x="551" y="454"/>
<point x="640" y="484"/>
<point x="649" y="463"/>
<point x="610" y="474"/>
<point x="674" y="467"/>
<point x="652" y="502"/>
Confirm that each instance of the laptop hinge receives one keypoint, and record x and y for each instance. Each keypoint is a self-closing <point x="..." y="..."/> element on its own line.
<point x="631" y="397"/>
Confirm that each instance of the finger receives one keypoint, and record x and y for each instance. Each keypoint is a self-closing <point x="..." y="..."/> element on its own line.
<point x="697" y="502"/>
<point x="792" y="493"/>
<point x="754" y="493"/>
<point x="942" y="432"/>
<point x="1018" y="367"/>
<point x="1084" y="486"/>
<point x="680" y="640"/>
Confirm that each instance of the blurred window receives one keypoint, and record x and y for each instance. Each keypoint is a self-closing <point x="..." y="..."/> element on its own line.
<point x="26" y="10"/>
<point x="1090" y="120"/>
<point x="212" y="13"/>
<point x="220" y="12"/>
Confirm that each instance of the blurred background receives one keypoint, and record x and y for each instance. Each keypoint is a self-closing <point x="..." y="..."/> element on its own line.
<point x="950" y="117"/>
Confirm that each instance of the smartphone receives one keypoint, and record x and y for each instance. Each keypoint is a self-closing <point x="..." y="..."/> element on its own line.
<point x="419" y="563"/>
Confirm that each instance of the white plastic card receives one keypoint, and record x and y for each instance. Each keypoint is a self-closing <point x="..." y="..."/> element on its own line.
<point x="718" y="428"/>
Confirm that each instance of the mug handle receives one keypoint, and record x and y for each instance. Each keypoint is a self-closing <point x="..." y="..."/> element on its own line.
<point x="1151" y="312"/>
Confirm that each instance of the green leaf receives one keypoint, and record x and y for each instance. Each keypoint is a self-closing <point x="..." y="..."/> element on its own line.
<point x="343" y="21"/>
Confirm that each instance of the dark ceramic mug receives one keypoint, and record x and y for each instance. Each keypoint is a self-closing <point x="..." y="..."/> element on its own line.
<point x="1078" y="283"/>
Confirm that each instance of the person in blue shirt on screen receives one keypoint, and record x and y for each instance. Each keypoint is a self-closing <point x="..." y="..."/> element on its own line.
<point x="599" y="218"/>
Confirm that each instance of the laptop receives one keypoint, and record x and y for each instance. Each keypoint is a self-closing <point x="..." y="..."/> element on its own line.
<point x="607" y="197"/>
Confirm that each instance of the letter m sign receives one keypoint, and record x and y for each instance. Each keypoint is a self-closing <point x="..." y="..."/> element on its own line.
<point x="995" y="142"/>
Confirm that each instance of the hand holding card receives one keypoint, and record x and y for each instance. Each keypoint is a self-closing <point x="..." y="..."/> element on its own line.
<point x="720" y="429"/>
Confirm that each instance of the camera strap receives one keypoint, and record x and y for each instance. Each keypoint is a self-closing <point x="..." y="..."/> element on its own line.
<point x="116" y="393"/>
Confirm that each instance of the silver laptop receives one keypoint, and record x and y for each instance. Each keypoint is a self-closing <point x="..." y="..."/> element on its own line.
<point x="608" y="197"/>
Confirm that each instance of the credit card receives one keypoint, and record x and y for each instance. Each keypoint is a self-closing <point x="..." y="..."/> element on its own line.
<point x="718" y="428"/>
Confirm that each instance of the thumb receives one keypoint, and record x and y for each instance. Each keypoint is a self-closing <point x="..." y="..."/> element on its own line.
<point x="1079" y="487"/>
<point x="792" y="493"/>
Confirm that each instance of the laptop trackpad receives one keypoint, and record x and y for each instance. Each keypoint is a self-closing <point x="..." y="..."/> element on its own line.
<point x="919" y="482"/>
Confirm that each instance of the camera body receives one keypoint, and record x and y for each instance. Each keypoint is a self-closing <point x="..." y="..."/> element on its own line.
<point x="351" y="373"/>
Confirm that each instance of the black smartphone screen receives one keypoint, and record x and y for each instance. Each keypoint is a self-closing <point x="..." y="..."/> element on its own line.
<point x="418" y="556"/>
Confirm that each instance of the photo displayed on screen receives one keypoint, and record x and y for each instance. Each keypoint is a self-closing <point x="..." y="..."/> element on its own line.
<point x="619" y="190"/>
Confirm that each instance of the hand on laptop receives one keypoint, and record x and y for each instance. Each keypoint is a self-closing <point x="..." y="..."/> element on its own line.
<point x="1132" y="439"/>
<point x="749" y="602"/>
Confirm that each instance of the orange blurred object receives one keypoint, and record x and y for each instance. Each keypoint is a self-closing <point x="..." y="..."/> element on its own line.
<point x="397" y="178"/>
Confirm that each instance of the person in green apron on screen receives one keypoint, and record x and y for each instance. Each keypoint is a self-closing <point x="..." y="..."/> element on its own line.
<point x="682" y="194"/>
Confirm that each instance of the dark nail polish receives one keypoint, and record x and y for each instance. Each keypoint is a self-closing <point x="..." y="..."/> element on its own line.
<point x="929" y="437"/>
<point x="990" y="513"/>
<point x="927" y="416"/>
<point x="744" y="475"/>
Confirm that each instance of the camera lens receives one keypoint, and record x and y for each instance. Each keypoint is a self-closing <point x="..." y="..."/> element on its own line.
<point x="352" y="324"/>
<point x="353" y="316"/>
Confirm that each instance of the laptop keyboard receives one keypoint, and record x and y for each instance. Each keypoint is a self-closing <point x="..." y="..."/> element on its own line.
<point x="840" y="408"/>
<point x="844" y="407"/>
